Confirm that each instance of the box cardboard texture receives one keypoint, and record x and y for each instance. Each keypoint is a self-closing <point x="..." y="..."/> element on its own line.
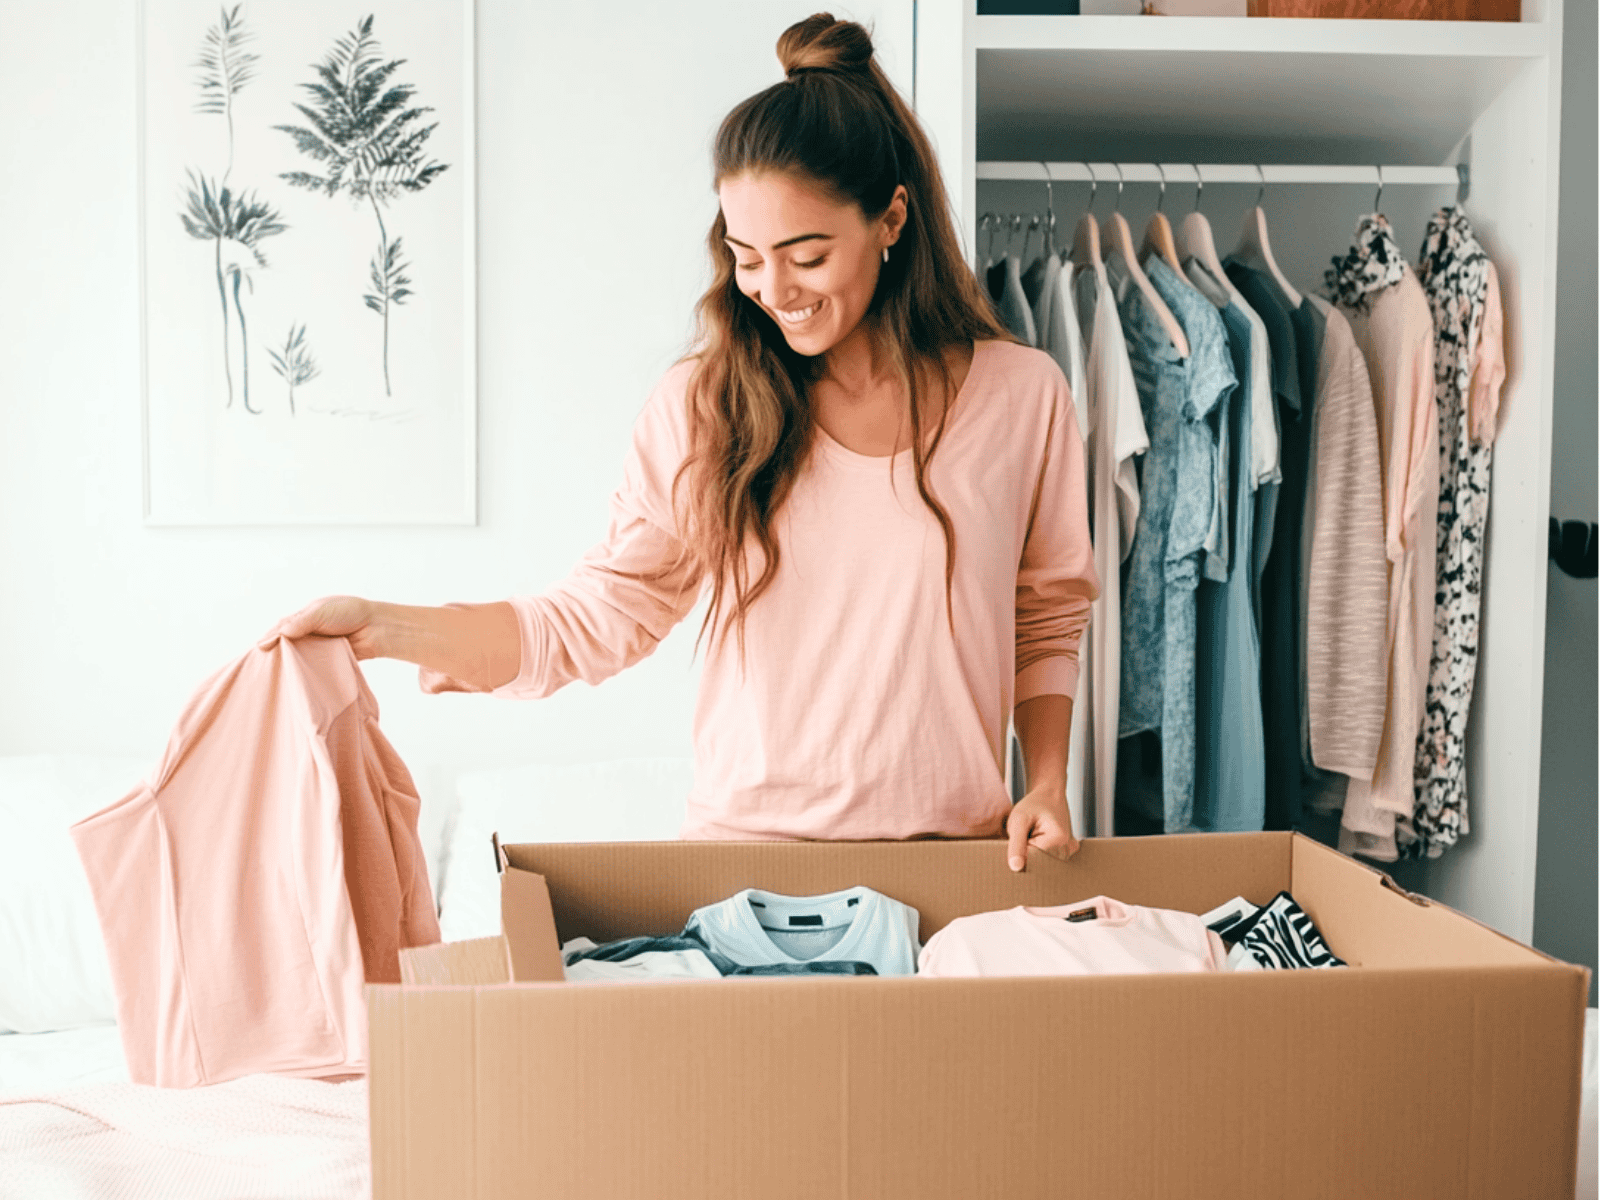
<point x="1444" y="1063"/>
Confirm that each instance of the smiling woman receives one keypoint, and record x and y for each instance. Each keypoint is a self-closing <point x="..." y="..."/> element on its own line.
<point x="869" y="313"/>
<point x="882" y="492"/>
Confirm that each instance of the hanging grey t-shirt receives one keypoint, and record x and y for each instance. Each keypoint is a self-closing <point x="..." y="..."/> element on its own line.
<point x="1015" y="311"/>
<point x="858" y="925"/>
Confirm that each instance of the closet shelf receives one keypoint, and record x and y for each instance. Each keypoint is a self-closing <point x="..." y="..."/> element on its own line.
<point x="1230" y="105"/>
<point x="1257" y="35"/>
<point x="1241" y="89"/>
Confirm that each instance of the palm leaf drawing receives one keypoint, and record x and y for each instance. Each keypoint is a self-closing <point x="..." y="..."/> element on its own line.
<point x="295" y="364"/>
<point x="235" y="225"/>
<point x="225" y="67"/>
<point x="362" y="131"/>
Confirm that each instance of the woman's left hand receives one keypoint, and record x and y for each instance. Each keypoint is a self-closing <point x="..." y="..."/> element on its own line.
<point x="1041" y="820"/>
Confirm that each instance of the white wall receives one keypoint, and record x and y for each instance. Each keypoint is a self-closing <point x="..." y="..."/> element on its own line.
<point x="594" y="126"/>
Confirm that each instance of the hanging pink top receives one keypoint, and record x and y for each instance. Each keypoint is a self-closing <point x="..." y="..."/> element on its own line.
<point x="860" y="713"/>
<point x="261" y="875"/>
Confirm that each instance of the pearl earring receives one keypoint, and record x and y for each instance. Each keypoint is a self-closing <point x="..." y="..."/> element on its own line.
<point x="886" y="254"/>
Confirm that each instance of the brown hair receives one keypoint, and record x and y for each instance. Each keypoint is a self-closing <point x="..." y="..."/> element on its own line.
<point x="836" y="121"/>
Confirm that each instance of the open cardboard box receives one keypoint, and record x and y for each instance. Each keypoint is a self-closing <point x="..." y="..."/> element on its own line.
<point x="1444" y="1063"/>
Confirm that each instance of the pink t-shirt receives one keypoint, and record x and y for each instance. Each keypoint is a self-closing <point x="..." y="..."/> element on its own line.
<point x="1106" y="938"/>
<point x="261" y="875"/>
<point x="858" y="714"/>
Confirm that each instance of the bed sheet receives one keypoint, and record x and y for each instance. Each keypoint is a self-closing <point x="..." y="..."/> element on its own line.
<point x="73" y="1128"/>
<point x="31" y="1062"/>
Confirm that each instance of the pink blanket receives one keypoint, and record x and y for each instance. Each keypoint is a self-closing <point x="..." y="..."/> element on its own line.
<point x="267" y="869"/>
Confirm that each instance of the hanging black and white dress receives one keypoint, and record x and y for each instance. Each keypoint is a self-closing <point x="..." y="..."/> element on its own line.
<point x="1469" y="367"/>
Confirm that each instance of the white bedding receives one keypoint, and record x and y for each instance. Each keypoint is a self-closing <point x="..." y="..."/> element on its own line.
<point x="33" y="1062"/>
<point x="73" y="1128"/>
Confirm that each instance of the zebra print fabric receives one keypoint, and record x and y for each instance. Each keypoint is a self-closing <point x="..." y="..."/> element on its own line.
<point x="1281" y="937"/>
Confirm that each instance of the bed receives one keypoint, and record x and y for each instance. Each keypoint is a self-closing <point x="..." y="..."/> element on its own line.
<point x="71" y="1125"/>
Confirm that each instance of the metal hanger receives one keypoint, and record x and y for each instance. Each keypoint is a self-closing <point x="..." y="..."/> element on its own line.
<point x="1255" y="248"/>
<point x="1050" y="210"/>
<point x="1034" y="222"/>
<point x="1121" y="239"/>
<point x="1158" y="233"/>
<point x="1196" y="242"/>
<point x="1086" y="238"/>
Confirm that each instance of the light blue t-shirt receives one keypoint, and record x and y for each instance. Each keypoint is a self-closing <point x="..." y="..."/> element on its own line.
<point x="1180" y="398"/>
<point x="1230" y="753"/>
<point x="856" y="925"/>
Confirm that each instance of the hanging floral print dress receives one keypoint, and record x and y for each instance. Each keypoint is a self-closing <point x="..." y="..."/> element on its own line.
<point x="1469" y="367"/>
<point x="1387" y="308"/>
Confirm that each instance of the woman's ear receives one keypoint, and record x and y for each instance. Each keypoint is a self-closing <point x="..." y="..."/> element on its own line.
<point x="894" y="218"/>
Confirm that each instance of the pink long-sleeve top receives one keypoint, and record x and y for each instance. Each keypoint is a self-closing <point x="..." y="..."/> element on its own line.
<point x="859" y="713"/>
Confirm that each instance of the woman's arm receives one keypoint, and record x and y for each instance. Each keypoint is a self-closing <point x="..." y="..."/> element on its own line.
<point x="1044" y="724"/>
<point x="1056" y="583"/>
<point x="1041" y="818"/>
<point x="478" y="645"/>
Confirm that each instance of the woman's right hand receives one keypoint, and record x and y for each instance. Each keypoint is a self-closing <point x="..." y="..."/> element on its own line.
<point x="331" y="616"/>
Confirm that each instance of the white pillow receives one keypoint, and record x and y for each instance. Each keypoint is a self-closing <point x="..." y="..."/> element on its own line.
<point x="620" y="800"/>
<point x="54" y="973"/>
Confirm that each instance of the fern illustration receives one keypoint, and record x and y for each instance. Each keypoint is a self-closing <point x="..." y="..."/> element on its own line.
<point x="295" y="364"/>
<point x="362" y="129"/>
<point x="237" y="224"/>
<point x="225" y="67"/>
<point x="388" y="282"/>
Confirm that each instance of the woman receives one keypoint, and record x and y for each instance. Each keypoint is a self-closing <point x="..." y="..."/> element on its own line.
<point x="882" y="492"/>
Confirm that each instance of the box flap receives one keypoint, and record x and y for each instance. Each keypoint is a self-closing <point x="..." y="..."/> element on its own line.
<point x="1370" y="921"/>
<point x="481" y="960"/>
<point x="530" y="930"/>
<point x="634" y="889"/>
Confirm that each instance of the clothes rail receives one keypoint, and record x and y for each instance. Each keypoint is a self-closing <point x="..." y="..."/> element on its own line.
<point x="1208" y="173"/>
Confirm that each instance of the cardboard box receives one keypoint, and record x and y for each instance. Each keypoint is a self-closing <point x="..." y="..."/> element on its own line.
<point x="1444" y="1063"/>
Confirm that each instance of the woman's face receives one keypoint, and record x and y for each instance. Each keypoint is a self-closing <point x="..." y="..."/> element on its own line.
<point x="810" y="262"/>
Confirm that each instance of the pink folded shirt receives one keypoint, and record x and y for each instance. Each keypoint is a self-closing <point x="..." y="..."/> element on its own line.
<point x="266" y="871"/>
<point x="1108" y="938"/>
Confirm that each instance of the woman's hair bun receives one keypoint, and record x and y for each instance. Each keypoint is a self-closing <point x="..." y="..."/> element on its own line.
<point x="819" y="43"/>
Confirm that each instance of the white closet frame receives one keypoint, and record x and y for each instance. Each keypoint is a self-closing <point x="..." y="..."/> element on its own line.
<point x="1425" y="93"/>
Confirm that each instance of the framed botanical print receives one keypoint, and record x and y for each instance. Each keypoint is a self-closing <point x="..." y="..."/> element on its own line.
<point x="307" y="243"/>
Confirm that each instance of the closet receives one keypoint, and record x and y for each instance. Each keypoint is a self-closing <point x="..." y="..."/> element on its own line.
<point x="1304" y="114"/>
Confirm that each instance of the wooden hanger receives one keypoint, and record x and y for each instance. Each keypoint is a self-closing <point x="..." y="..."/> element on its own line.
<point x="1195" y="241"/>
<point x="1086" y="239"/>
<point x="1255" y="249"/>
<point x="1158" y="234"/>
<point x="1120" y="238"/>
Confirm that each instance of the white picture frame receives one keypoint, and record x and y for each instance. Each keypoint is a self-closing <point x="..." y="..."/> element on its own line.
<point x="308" y="342"/>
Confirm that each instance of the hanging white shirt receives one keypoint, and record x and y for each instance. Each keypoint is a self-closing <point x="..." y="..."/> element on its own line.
<point x="1116" y="433"/>
<point x="1056" y="319"/>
